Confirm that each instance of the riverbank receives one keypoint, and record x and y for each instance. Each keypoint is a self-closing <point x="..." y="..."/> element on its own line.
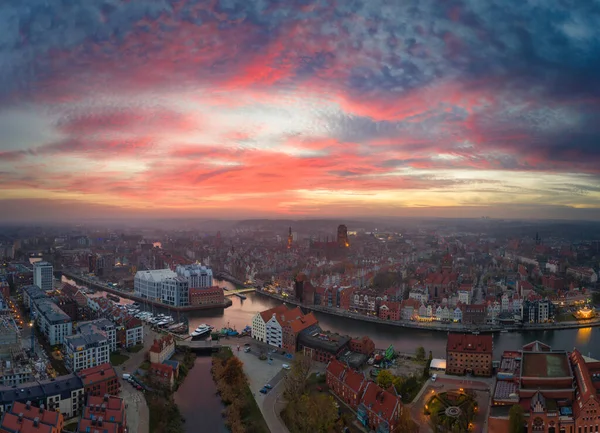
<point x="431" y="326"/>
<point x="242" y="413"/>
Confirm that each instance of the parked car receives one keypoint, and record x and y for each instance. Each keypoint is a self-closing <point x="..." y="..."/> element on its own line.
<point x="247" y="344"/>
<point x="268" y="386"/>
<point x="126" y="376"/>
<point x="246" y="349"/>
<point x="285" y="366"/>
<point x="434" y="378"/>
<point x="264" y="390"/>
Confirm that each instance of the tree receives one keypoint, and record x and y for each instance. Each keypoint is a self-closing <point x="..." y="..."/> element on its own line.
<point x="295" y="381"/>
<point x="420" y="353"/>
<point x="516" y="419"/>
<point x="426" y="369"/>
<point x="385" y="379"/>
<point x="233" y="372"/>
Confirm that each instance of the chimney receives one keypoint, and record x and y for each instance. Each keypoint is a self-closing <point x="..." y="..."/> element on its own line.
<point x="105" y="397"/>
<point x="42" y="408"/>
<point x="101" y="372"/>
<point x="20" y="416"/>
<point x="28" y="405"/>
<point x="103" y="407"/>
<point x="36" y="422"/>
<point x="100" y="421"/>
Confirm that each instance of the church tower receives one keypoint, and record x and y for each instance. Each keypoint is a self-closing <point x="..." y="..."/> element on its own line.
<point x="290" y="238"/>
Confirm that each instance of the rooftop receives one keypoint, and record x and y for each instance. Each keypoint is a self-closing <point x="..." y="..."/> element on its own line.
<point x="315" y="337"/>
<point x="470" y="343"/>
<point x="545" y="365"/>
<point x="51" y="311"/>
<point x="96" y="374"/>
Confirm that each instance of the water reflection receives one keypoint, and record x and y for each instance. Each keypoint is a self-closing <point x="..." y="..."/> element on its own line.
<point x="584" y="335"/>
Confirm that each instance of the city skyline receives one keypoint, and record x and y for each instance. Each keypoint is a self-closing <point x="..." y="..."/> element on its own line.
<point x="299" y="109"/>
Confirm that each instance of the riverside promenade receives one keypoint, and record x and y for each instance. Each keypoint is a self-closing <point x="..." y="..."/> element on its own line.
<point x="435" y="326"/>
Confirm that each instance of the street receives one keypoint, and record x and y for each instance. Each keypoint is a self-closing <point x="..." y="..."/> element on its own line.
<point x="138" y="416"/>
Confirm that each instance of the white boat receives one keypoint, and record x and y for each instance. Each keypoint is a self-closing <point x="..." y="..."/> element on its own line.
<point x="200" y="331"/>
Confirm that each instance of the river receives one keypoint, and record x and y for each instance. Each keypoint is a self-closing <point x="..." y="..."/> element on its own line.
<point x="197" y="400"/>
<point x="240" y="314"/>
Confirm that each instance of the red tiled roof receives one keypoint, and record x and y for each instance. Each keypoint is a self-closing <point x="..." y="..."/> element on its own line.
<point x="354" y="380"/>
<point x="470" y="343"/>
<point x="381" y="402"/>
<point x="11" y="422"/>
<point x="582" y="375"/>
<point x="267" y="314"/>
<point x="110" y="401"/>
<point x="302" y="323"/>
<point x="97" y="374"/>
<point x="49" y="417"/>
<point x="160" y="344"/>
<point x="106" y="427"/>
<point x="336" y="368"/>
<point x="162" y="370"/>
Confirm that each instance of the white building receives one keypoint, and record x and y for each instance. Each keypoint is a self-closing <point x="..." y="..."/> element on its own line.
<point x="464" y="296"/>
<point x="134" y="335"/>
<point x="175" y="291"/>
<point x="274" y="332"/>
<point x="259" y="328"/>
<point x="86" y="350"/>
<point x="148" y="284"/>
<point x="197" y="275"/>
<point x="43" y="275"/>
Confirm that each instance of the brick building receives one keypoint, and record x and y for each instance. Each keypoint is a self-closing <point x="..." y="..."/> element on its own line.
<point x="26" y="418"/>
<point x="390" y="311"/>
<point x="104" y="413"/>
<point x="100" y="380"/>
<point x="362" y="345"/>
<point x="379" y="409"/>
<point x="207" y="296"/>
<point x="163" y="373"/>
<point x="293" y="327"/>
<point x="474" y="314"/>
<point x="469" y="354"/>
<point x="346" y="383"/>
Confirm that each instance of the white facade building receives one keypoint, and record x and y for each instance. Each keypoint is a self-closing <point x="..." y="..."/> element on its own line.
<point x="274" y="332"/>
<point x="43" y="275"/>
<point x="259" y="328"/>
<point x="134" y="336"/>
<point x="197" y="275"/>
<point x="175" y="291"/>
<point x="148" y="284"/>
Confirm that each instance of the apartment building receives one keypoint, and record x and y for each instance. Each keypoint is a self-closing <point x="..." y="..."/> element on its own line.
<point x="53" y="322"/>
<point x="100" y="380"/>
<point x="26" y="418"/>
<point x="197" y="275"/>
<point x="87" y="349"/>
<point x="43" y="275"/>
<point x="103" y="325"/>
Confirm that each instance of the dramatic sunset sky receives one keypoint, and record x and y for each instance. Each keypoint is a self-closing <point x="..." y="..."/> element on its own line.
<point x="243" y="108"/>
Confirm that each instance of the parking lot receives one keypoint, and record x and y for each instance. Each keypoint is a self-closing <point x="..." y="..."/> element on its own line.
<point x="259" y="372"/>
